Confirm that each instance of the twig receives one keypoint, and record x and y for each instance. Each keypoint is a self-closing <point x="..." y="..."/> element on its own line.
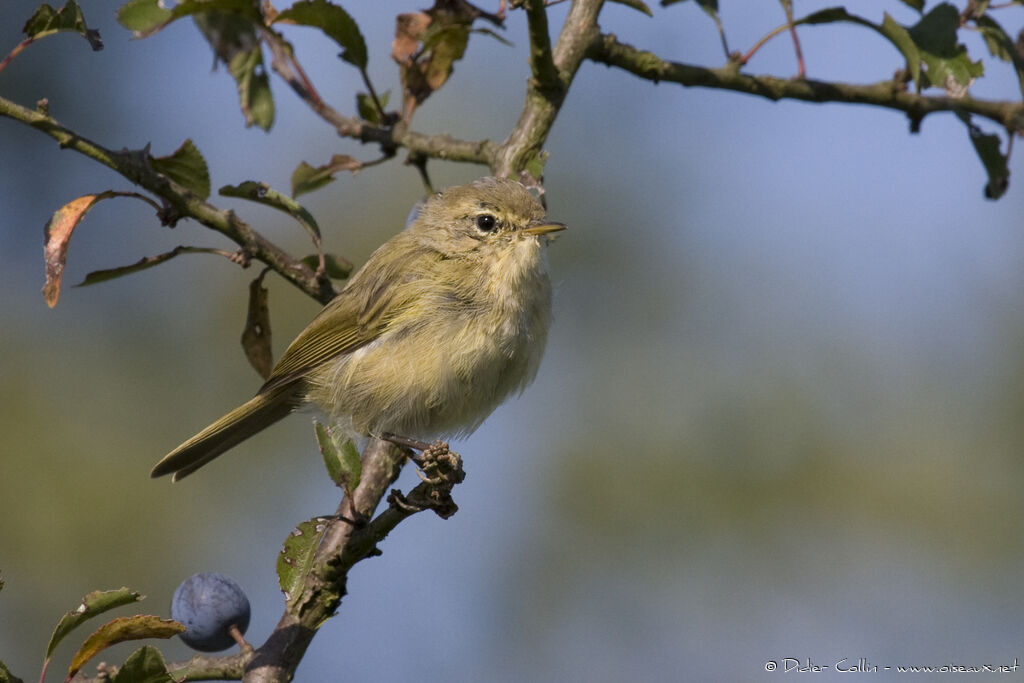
<point x="373" y="93"/>
<point x="134" y="166"/>
<point x="545" y="94"/>
<point x="389" y="137"/>
<point x="343" y="545"/>
<point x="542" y="62"/>
<point x="16" y="51"/>
<point x="889" y="94"/>
<point x="787" y="6"/>
<point x="764" y="39"/>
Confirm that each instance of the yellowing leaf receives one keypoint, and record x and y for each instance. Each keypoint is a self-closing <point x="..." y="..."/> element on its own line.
<point x="93" y="604"/>
<point x="119" y="630"/>
<point x="306" y="178"/>
<point x="57" y="235"/>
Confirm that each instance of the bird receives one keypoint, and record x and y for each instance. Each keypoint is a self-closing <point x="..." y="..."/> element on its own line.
<point x="443" y="322"/>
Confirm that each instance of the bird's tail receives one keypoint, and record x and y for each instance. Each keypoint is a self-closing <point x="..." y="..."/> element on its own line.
<point x="259" y="412"/>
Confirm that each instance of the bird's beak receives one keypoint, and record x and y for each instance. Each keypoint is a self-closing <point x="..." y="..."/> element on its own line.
<point x="543" y="227"/>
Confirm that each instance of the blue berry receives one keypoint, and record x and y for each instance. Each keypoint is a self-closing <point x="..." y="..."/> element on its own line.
<point x="208" y="604"/>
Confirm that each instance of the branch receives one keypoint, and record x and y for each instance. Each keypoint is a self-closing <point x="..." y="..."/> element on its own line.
<point x="344" y="543"/>
<point x="134" y="166"/>
<point x="545" y="93"/>
<point x="889" y="94"/>
<point x="389" y="137"/>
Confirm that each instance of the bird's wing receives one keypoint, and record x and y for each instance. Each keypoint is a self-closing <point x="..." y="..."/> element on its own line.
<point x="354" y="318"/>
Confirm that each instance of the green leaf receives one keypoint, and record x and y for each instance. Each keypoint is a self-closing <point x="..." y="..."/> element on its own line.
<point x="263" y="194"/>
<point x="143" y="17"/>
<point x="120" y="630"/>
<point x="535" y="165"/>
<point x="1000" y="45"/>
<point x="145" y="665"/>
<point x="46" y="21"/>
<point x="145" y="262"/>
<point x="186" y="167"/>
<point x="987" y="146"/>
<point x="93" y="604"/>
<point x="947" y="62"/>
<point x="235" y="42"/>
<point x="638" y="5"/>
<point x="368" y="110"/>
<point x="6" y="676"/>
<point x="256" y="335"/>
<point x="295" y="560"/>
<point x="889" y="29"/>
<point x="340" y="456"/>
<point x="306" y="178"/>
<point x="146" y="17"/>
<point x="899" y="36"/>
<point x="332" y="20"/>
<point x="915" y="4"/>
<point x="335" y="267"/>
<point x="254" y="94"/>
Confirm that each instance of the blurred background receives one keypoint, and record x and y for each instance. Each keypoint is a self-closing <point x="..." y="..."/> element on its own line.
<point x="780" y="414"/>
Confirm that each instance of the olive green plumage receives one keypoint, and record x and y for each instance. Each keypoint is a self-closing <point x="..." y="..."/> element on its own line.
<point x="443" y="322"/>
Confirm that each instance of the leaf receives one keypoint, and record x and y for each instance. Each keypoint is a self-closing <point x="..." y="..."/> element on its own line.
<point x="535" y="165"/>
<point x="368" y="110"/>
<point x="93" y="604"/>
<point x="256" y="335"/>
<point x="638" y="5"/>
<point x="987" y="146"/>
<point x="6" y="676"/>
<point x="426" y="47"/>
<point x="46" y="21"/>
<point x="120" y="630"/>
<point x="146" y="17"/>
<point x="332" y="20"/>
<point x="254" y="94"/>
<point x="335" y="267"/>
<point x="296" y="558"/>
<point x="263" y="194"/>
<point x="186" y="167"/>
<point x="1001" y="46"/>
<point x="915" y="4"/>
<point x="57" y="234"/>
<point x="306" y="178"/>
<point x="900" y="37"/>
<point x="446" y="45"/>
<point x="145" y="262"/>
<point x="710" y="7"/>
<point x="145" y="665"/>
<point x="143" y="17"/>
<point x="947" y="62"/>
<point x="340" y="456"/>
<point x="889" y="29"/>
<point x="235" y="42"/>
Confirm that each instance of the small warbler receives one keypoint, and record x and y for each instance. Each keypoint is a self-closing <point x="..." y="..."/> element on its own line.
<point x="442" y="323"/>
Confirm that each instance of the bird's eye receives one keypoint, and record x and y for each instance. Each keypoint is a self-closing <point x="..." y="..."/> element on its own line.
<point x="486" y="222"/>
